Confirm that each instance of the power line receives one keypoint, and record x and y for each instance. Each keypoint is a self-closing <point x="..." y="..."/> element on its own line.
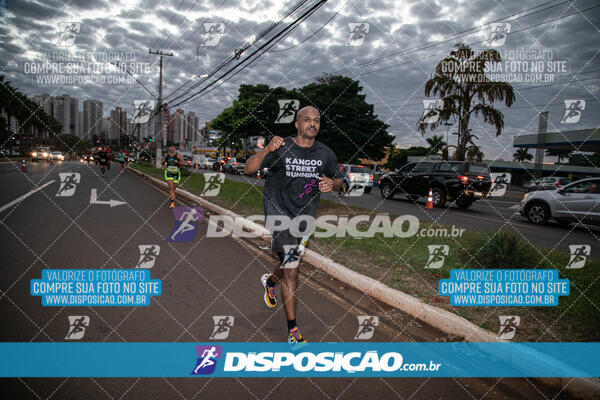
<point x="315" y="32"/>
<point x="242" y="45"/>
<point x="480" y="41"/>
<point x="271" y="42"/>
<point x="457" y="35"/>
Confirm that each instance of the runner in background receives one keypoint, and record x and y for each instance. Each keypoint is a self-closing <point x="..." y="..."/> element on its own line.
<point x="174" y="162"/>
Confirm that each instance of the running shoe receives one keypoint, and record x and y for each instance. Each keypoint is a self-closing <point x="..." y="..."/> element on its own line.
<point x="295" y="339"/>
<point x="172" y="205"/>
<point x="270" y="298"/>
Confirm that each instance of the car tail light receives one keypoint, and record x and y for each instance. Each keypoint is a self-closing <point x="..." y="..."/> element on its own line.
<point x="234" y="163"/>
<point x="479" y="176"/>
<point x="379" y="182"/>
<point x="371" y="176"/>
<point x="464" y="179"/>
<point x="558" y="183"/>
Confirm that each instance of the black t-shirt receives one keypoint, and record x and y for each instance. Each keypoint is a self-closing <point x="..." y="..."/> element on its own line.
<point x="292" y="185"/>
<point x="103" y="157"/>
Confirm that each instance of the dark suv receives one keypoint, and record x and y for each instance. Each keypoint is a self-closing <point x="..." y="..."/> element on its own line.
<point x="459" y="181"/>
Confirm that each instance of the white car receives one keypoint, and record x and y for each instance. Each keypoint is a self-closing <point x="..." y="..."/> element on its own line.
<point x="357" y="176"/>
<point x="548" y="183"/>
<point x="57" y="155"/>
<point x="576" y="202"/>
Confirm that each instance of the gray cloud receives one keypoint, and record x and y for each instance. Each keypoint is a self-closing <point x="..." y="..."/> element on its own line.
<point x="396" y="92"/>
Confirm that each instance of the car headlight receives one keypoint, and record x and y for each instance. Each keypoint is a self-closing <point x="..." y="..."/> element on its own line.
<point x="34" y="154"/>
<point x="45" y="154"/>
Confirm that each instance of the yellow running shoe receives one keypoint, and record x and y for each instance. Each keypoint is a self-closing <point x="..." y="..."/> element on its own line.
<point x="270" y="298"/>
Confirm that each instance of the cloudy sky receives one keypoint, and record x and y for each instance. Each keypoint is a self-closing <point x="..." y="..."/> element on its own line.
<point x="404" y="42"/>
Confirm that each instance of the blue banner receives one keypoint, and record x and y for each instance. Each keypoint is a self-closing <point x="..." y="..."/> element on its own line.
<point x="225" y="359"/>
<point x="95" y="287"/>
<point x="504" y="287"/>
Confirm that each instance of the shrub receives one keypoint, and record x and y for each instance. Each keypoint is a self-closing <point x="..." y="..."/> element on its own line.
<point x="500" y="249"/>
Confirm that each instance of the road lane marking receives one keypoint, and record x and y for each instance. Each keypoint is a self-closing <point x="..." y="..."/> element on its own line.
<point x="26" y="195"/>
<point x="498" y="220"/>
<point x="112" y="203"/>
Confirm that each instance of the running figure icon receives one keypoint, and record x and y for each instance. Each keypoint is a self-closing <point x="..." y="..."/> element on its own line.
<point x="186" y="222"/>
<point x="77" y="326"/>
<point x="573" y="111"/>
<point x="208" y="355"/>
<point x="288" y="110"/>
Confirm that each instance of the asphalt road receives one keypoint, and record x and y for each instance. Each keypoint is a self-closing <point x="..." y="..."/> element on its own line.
<point x="483" y="215"/>
<point x="202" y="278"/>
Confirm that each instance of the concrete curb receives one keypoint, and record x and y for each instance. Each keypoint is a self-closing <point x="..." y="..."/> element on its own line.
<point x="447" y="322"/>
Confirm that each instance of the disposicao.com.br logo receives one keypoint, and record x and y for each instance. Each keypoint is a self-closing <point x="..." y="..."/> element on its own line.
<point x="350" y="362"/>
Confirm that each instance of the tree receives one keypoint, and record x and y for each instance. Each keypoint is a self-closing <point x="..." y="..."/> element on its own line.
<point x="474" y="154"/>
<point x="558" y="153"/>
<point x="399" y="157"/>
<point x="460" y="81"/>
<point x="253" y="113"/>
<point x="32" y="118"/>
<point x="436" y="144"/>
<point x="522" y="155"/>
<point x="348" y="124"/>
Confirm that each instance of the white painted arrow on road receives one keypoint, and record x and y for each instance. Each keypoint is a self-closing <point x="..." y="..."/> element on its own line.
<point x="94" y="200"/>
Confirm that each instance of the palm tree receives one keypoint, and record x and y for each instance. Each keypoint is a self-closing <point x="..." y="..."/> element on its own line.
<point x="474" y="154"/>
<point x="522" y="155"/>
<point x="558" y="153"/>
<point x="436" y="144"/>
<point x="460" y="80"/>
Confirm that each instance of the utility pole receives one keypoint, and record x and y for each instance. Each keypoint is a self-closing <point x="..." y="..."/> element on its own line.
<point x="159" y="110"/>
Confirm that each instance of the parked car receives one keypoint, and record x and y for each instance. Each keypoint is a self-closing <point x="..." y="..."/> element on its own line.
<point x="41" y="153"/>
<point x="548" y="183"/>
<point x="462" y="182"/>
<point x="576" y="202"/>
<point x="202" y="161"/>
<point x="357" y="175"/>
<point x="220" y="162"/>
<point x="207" y="163"/>
<point x="234" y="166"/>
<point x="187" y="160"/>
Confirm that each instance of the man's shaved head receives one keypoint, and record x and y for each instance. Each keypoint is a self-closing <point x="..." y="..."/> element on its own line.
<point x="305" y="109"/>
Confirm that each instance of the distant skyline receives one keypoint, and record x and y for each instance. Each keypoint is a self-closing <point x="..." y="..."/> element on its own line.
<point x="393" y="62"/>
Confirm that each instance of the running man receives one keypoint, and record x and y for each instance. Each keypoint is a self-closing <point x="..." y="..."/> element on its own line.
<point x="102" y="159"/>
<point x="121" y="159"/>
<point x="293" y="163"/>
<point x="173" y="160"/>
<point x="109" y="156"/>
